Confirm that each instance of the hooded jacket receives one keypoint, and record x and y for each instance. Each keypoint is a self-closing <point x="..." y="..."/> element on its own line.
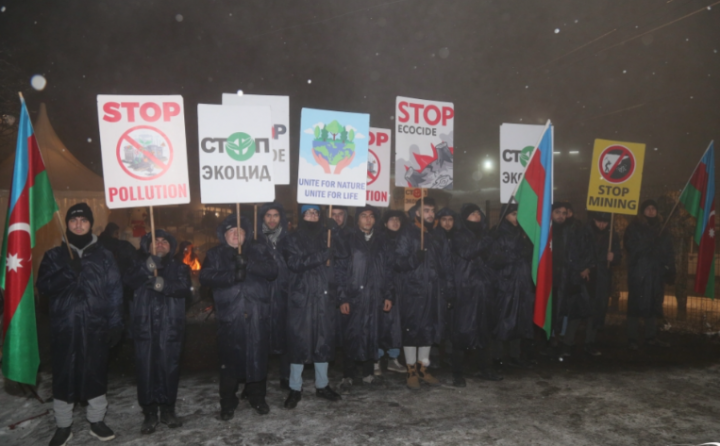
<point x="650" y="263"/>
<point x="279" y="287"/>
<point x="158" y="322"/>
<point x="511" y="256"/>
<point x="600" y="285"/>
<point x="364" y="286"/>
<point x="83" y="309"/>
<point x="391" y="332"/>
<point x="242" y="309"/>
<point x="570" y="294"/>
<point x="474" y="313"/>
<point x="312" y="308"/>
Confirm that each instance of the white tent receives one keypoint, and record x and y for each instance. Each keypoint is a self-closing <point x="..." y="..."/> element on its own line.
<point x="71" y="181"/>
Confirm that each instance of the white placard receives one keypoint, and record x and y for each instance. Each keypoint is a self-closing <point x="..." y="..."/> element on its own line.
<point x="280" y="143"/>
<point x="144" y="156"/>
<point x="517" y="142"/>
<point x="424" y="143"/>
<point x="236" y="162"/>
<point x="378" y="177"/>
<point x="333" y="156"/>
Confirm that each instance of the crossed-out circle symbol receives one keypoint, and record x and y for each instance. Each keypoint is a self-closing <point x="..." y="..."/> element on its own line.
<point x="139" y="157"/>
<point x="372" y="178"/>
<point x="616" y="164"/>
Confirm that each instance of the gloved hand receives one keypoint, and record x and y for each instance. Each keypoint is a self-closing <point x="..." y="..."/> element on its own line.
<point x="331" y="223"/>
<point x="76" y="264"/>
<point x="420" y="255"/>
<point x="153" y="262"/>
<point x="114" y="336"/>
<point x="156" y="284"/>
<point x="240" y="268"/>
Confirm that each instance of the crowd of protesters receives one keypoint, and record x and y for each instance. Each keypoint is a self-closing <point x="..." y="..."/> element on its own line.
<point x="429" y="283"/>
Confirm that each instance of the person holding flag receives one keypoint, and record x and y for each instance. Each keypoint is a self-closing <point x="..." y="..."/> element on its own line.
<point x="85" y="295"/>
<point x="651" y="265"/>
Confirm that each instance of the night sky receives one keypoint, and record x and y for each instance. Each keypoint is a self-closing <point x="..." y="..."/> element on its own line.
<point x="641" y="71"/>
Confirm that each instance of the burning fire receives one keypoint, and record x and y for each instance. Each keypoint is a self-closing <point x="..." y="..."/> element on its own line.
<point x="191" y="260"/>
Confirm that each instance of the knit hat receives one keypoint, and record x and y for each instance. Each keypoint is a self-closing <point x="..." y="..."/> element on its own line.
<point x="80" y="210"/>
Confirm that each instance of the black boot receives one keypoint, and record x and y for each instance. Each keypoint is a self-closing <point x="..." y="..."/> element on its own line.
<point x="458" y="380"/>
<point x="151" y="419"/>
<point x="62" y="436"/>
<point x="293" y="399"/>
<point x="101" y="431"/>
<point x="259" y="404"/>
<point x="168" y="417"/>
<point x="328" y="393"/>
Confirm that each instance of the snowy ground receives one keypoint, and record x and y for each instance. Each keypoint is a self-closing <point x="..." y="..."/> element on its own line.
<point x="651" y="397"/>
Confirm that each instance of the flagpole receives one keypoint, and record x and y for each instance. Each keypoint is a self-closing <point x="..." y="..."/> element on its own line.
<point x="152" y="232"/>
<point x="677" y="202"/>
<point x="612" y="218"/>
<point x="522" y="176"/>
<point x="237" y="211"/>
<point x="422" y="218"/>
<point x="329" y="233"/>
<point x="60" y="224"/>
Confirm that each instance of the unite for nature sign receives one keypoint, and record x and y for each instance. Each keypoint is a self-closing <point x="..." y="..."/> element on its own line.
<point x="615" y="177"/>
<point x="280" y="142"/>
<point x="144" y="156"/>
<point x="378" y="167"/>
<point x="333" y="156"/>
<point x="517" y="142"/>
<point x="424" y="143"/>
<point x="236" y="163"/>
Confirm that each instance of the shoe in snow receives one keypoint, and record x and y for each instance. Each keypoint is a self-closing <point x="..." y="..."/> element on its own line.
<point x="458" y="380"/>
<point x="260" y="405"/>
<point x="100" y="431"/>
<point x="293" y="399"/>
<point x="328" y="393"/>
<point x="168" y="417"/>
<point x="424" y="375"/>
<point x="62" y="436"/>
<point x="395" y="366"/>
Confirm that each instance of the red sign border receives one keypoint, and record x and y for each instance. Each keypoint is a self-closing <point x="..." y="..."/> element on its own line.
<point x="632" y="157"/>
<point x="146" y="127"/>
<point x="379" y="167"/>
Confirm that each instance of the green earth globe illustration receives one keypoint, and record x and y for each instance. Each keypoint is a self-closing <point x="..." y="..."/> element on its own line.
<point x="334" y="142"/>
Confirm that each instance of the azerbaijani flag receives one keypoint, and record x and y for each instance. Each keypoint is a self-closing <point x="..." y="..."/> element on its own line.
<point x="698" y="197"/>
<point x="534" y="197"/>
<point x="31" y="205"/>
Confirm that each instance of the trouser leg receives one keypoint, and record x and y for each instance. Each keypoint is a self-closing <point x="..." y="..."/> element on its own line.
<point x="394" y="353"/>
<point x="424" y="355"/>
<point x="572" y="326"/>
<point x="590" y="331"/>
<point x="256" y="390"/>
<point x="410" y="355"/>
<point x="96" y="409"/>
<point x="650" y="327"/>
<point x="632" y="328"/>
<point x="368" y="368"/>
<point x="296" y="376"/>
<point x="458" y="357"/>
<point x="63" y="413"/>
<point x="228" y="388"/>
<point x="284" y="366"/>
<point x="321" y="372"/>
<point x="514" y="348"/>
<point x="349" y="367"/>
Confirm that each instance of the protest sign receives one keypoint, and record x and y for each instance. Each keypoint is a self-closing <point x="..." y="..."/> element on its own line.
<point x="517" y="142"/>
<point x="378" y="167"/>
<point x="615" y="177"/>
<point x="236" y="163"/>
<point x="424" y="143"/>
<point x="280" y="142"/>
<point x="412" y="195"/>
<point x="144" y="156"/>
<point x="333" y="156"/>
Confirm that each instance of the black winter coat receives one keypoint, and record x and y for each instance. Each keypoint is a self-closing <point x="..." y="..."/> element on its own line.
<point x="279" y="287"/>
<point x="650" y="263"/>
<point x="570" y="295"/>
<point x="423" y="285"/>
<point x="390" y="329"/>
<point x="312" y="309"/>
<point x="474" y="313"/>
<point x="364" y="286"/>
<point x="600" y="286"/>
<point x="242" y="309"/>
<point x="83" y="308"/>
<point x="511" y="256"/>
<point x="158" y="322"/>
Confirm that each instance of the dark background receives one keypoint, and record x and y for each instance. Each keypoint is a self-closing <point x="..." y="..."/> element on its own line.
<point x="641" y="71"/>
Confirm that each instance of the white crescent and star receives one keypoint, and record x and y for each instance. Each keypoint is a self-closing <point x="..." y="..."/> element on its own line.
<point x="13" y="261"/>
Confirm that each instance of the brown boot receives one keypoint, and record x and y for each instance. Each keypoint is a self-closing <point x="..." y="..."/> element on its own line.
<point x="426" y="376"/>
<point x="413" y="382"/>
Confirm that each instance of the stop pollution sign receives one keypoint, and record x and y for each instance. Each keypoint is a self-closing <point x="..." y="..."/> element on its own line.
<point x="378" y="167"/>
<point x="142" y="139"/>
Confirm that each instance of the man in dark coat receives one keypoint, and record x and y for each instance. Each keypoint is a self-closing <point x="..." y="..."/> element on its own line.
<point x="273" y="221"/>
<point x="425" y="277"/>
<point x="85" y="295"/>
<point x="511" y="258"/>
<point x="239" y="283"/>
<point x="312" y="309"/>
<point x="161" y="284"/>
<point x="391" y="338"/>
<point x="364" y="295"/>
<point x="572" y="260"/>
<point x="125" y="254"/>
<point x="447" y="223"/>
<point x="599" y="286"/>
<point x="473" y="316"/>
<point x="651" y="264"/>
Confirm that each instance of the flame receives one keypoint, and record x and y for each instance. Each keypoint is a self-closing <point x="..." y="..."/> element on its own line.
<point x="190" y="260"/>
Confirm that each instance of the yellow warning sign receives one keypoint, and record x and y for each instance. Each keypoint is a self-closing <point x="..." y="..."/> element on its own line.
<point x="615" y="177"/>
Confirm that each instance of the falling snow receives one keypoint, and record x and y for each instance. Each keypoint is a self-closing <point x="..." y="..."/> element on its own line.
<point x="38" y="82"/>
<point x="179" y="17"/>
